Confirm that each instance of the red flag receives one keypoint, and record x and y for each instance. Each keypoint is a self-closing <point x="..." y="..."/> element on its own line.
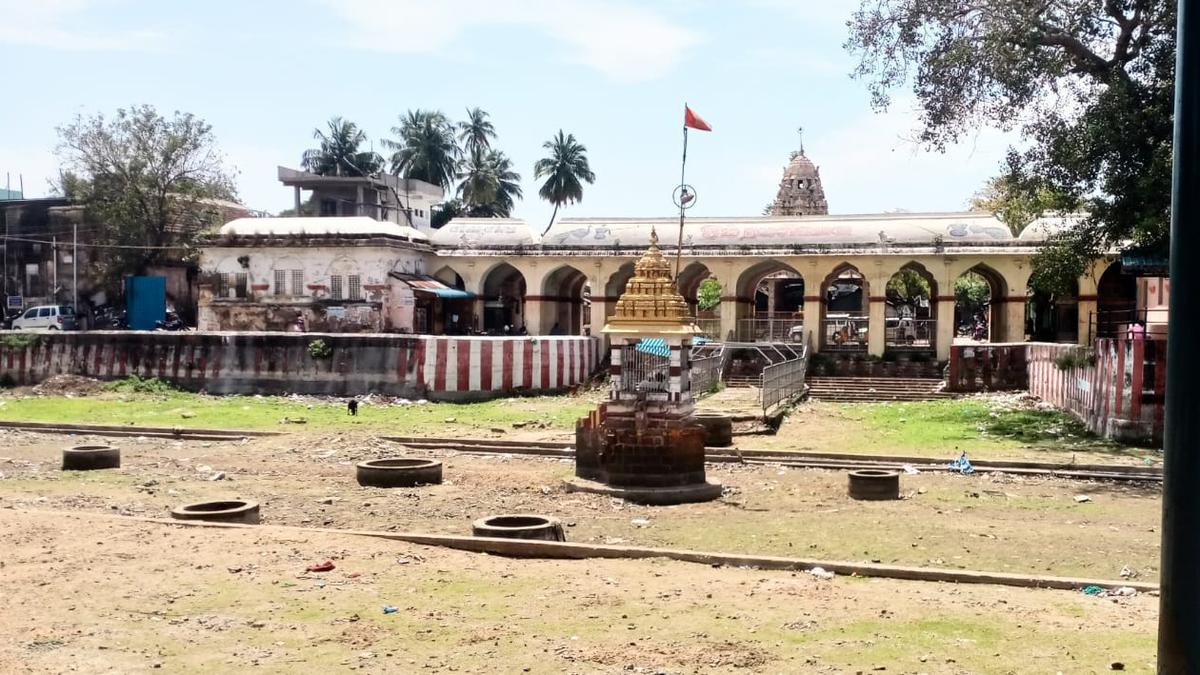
<point x="692" y="120"/>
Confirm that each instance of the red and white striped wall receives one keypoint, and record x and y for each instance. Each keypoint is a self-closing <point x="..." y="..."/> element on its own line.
<point x="435" y="367"/>
<point x="498" y="364"/>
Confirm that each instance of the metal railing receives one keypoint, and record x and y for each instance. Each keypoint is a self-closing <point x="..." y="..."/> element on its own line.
<point x="706" y="372"/>
<point x="643" y="372"/>
<point x="710" y="328"/>
<point x="844" y="333"/>
<point x="1115" y="323"/>
<point x="910" y="332"/>
<point x="783" y="381"/>
<point x="766" y="329"/>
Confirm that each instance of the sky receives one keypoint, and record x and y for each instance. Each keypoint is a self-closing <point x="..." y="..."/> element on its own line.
<point x="614" y="73"/>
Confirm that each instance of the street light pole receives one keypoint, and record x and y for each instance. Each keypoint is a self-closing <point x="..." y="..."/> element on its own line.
<point x="75" y="269"/>
<point x="1179" y="605"/>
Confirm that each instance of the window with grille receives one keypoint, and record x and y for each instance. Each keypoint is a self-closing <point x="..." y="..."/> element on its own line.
<point x="280" y="279"/>
<point x="298" y="283"/>
<point x="335" y="288"/>
<point x="242" y="284"/>
<point x="355" y="284"/>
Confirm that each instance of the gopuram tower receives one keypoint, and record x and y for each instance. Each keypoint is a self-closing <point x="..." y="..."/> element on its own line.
<point x="800" y="191"/>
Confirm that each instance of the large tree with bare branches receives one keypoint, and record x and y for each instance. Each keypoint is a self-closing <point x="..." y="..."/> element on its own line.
<point x="1089" y="83"/>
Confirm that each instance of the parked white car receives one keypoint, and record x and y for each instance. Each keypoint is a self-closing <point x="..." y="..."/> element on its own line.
<point x="46" y="317"/>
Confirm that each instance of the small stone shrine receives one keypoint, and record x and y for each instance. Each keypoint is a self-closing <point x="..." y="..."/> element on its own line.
<point x="642" y="444"/>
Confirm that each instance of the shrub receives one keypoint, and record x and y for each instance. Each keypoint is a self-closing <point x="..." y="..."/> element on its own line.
<point x="20" y="340"/>
<point x="320" y="350"/>
<point x="1075" y="358"/>
<point x="141" y="385"/>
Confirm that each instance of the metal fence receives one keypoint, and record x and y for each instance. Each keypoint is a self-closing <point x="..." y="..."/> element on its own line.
<point x="761" y="329"/>
<point x="710" y="328"/>
<point x="706" y="371"/>
<point x="643" y="372"/>
<point x="782" y="381"/>
<point x="845" y="333"/>
<point x="910" y="332"/>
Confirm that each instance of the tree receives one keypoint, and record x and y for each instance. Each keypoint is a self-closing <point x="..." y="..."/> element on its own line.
<point x="1089" y="83"/>
<point x="565" y="170"/>
<point x="425" y="148"/>
<point x="489" y="185"/>
<point x="153" y="182"/>
<point x="508" y="185"/>
<point x="1015" y="206"/>
<point x="972" y="293"/>
<point x="708" y="295"/>
<point x="476" y="133"/>
<point x="445" y="212"/>
<point x="907" y="287"/>
<point x="338" y="153"/>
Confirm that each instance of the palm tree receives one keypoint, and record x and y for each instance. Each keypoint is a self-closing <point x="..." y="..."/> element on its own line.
<point x="566" y="166"/>
<point x="477" y="132"/>
<point x="424" y="148"/>
<point x="339" y="154"/>
<point x="489" y="186"/>
<point x="508" y="184"/>
<point x="479" y="182"/>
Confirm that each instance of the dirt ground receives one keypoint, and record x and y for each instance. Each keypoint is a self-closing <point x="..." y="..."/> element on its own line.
<point x="993" y="522"/>
<point x="102" y="594"/>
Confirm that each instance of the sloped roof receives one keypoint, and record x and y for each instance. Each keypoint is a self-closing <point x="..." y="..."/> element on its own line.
<point x="332" y="225"/>
<point x="892" y="228"/>
<point x="485" y="232"/>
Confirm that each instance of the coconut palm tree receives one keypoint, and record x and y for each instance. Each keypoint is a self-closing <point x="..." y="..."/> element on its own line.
<point x="476" y="133"/>
<point x="339" y="154"/>
<point x="425" y="148"/>
<point x="508" y="184"/>
<point x="479" y="183"/>
<point x="489" y="186"/>
<point x="565" y="170"/>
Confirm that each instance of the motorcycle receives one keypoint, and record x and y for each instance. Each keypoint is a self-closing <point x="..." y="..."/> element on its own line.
<point x="172" y="322"/>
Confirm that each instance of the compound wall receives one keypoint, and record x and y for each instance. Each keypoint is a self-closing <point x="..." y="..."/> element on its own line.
<point x="434" y="367"/>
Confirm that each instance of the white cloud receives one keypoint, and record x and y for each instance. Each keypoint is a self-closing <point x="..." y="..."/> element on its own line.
<point x="50" y="23"/>
<point x="623" y="41"/>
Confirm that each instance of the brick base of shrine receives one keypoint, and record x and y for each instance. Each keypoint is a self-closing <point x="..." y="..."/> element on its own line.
<point x="650" y="456"/>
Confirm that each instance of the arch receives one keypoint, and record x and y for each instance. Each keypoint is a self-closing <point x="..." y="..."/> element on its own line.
<point x="1116" y="301"/>
<point x="566" y="302"/>
<point x="910" y="309"/>
<point x="1052" y="317"/>
<point x="770" y="297"/>
<point x="978" y="318"/>
<point x="616" y="283"/>
<point x="503" y="293"/>
<point x="451" y="278"/>
<point x="845" y="297"/>
<point x="691" y="279"/>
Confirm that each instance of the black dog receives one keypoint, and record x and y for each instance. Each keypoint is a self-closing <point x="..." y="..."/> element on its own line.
<point x="352" y="406"/>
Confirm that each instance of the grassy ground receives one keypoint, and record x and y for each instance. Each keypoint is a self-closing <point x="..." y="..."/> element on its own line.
<point x="995" y="427"/>
<point x="269" y="412"/>
<point x="985" y="427"/>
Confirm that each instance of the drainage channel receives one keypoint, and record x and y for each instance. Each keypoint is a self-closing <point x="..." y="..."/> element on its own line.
<point x="528" y="548"/>
<point x="183" y="433"/>
<point x="802" y="460"/>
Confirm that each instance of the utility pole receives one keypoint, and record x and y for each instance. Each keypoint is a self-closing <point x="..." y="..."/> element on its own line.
<point x="54" y="277"/>
<point x="75" y="268"/>
<point x="1179" y="605"/>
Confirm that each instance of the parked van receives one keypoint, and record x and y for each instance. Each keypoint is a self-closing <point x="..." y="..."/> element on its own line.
<point x="46" y="317"/>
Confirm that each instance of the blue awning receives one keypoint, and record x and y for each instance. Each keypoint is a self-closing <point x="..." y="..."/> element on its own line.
<point x="421" y="283"/>
<point x="448" y="292"/>
<point x="656" y="346"/>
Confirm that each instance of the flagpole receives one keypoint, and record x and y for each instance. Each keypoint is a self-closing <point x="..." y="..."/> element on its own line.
<point x="682" y="182"/>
